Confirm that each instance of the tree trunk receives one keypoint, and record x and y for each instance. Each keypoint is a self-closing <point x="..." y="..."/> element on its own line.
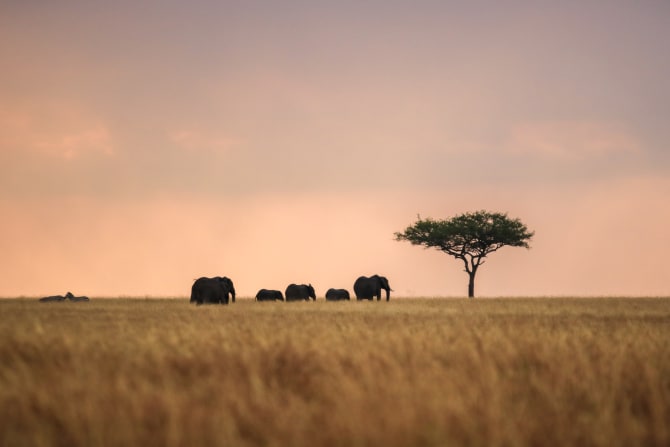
<point x="471" y="269"/>
<point x="471" y="284"/>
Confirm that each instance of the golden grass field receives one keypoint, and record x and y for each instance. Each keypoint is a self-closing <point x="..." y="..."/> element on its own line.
<point x="410" y="372"/>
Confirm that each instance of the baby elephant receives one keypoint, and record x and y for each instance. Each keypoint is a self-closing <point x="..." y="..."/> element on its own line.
<point x="269" y="295"/>
<point x="337" y="295"/>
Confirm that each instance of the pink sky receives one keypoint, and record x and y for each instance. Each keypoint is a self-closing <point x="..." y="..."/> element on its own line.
<point x="277" y="142"/>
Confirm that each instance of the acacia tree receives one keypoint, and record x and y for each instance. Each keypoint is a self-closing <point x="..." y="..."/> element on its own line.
<point x="469" y="237"/>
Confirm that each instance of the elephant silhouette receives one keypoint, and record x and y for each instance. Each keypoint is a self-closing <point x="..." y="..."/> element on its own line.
<point x="269" y="295"/>
<point x="337" y="295"/>
<point x="300" y="292"/>
<point x="367" y="288"/>
<point x="212" y="290"/>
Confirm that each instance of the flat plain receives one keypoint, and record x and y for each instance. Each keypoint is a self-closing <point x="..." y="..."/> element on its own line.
<point x="409" y="372"/>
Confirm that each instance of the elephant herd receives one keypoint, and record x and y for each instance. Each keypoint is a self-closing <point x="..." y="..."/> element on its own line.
<point x="220" y="290"/>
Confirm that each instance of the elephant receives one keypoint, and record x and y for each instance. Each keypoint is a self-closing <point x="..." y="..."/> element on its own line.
<point x="295" y="292"/>
<point x="337" y="295"/>
<point x="366" y="288"/>
<point x="269" y="295"/>
<point x="212" y="290"/>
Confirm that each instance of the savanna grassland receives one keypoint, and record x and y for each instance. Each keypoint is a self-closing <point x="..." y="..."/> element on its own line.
<point x="410" y="372"/>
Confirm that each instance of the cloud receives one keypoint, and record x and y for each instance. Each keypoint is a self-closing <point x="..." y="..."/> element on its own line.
<point x="571" y="140"/>
<point x="71" y="145"/>
<point x="198" y="141"/>
<point x="289" y="145"/>
<point x="54" y="129"/>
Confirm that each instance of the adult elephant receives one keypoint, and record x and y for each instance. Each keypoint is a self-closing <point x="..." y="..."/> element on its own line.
<point x="300" y="292"/>
<point x="366" y="288"/>
<point x="269" y="295"/>
<point x="337" y="295"/>
<point x="212" y="290"/>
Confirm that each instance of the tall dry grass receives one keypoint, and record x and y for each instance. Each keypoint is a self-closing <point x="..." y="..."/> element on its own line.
<point x="429" y="372"/>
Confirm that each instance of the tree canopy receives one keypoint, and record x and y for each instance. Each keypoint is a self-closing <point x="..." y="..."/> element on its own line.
<point x="469" y="237"/>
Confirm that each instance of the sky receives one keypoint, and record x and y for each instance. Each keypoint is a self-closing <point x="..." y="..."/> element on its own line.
<point x="146" y="144"/>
